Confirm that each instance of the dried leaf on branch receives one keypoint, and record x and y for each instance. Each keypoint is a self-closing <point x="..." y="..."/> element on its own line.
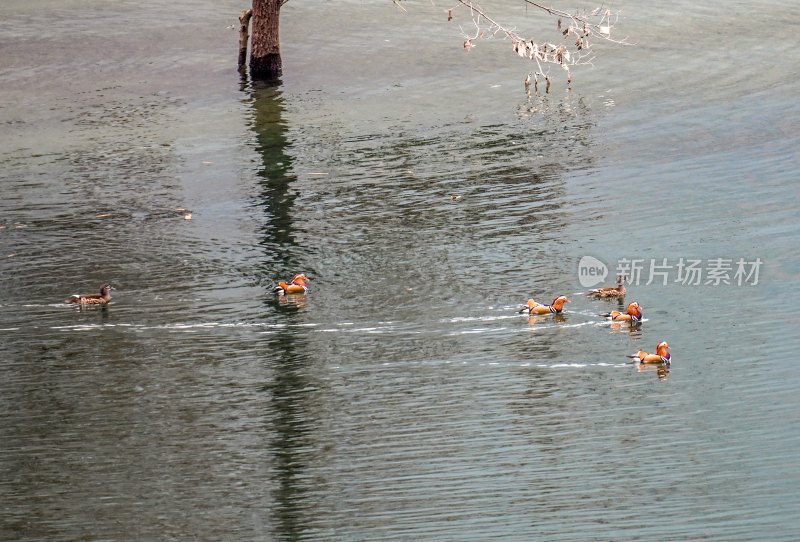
<point x="598" y="23"/>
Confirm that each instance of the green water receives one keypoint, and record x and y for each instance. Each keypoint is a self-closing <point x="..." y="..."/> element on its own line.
<point x="426" y="196"/>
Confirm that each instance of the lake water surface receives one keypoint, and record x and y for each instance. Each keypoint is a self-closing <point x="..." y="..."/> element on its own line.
<point x="402" y="398"/>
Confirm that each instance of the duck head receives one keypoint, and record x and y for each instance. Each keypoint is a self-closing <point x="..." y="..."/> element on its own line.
<point x="106" y="289"/>
<point x="662" y="349"/>
<point x="558" y="303"/>
<point x="635" y="310"/>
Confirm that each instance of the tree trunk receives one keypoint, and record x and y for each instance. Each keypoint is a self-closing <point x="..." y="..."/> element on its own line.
<point x="265" y="47"/>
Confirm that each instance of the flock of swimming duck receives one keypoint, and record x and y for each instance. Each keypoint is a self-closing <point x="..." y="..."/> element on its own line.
<point x="633" y="314"/>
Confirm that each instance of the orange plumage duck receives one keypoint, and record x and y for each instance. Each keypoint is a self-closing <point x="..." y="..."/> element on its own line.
<point x="610" y="291"/>
<point x="632" y="314"/>
<point x="662" y="355"/>
<point x="93" y="299"/>
<point x="532" y="307"/>
<point x="297" y="285"/>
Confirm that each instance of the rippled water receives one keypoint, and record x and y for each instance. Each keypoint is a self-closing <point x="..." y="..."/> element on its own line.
<point x="404" y="396"/>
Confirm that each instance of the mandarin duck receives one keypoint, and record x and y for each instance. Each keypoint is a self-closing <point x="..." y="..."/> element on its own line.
<point x="610" y="291"/>
<point x="93" y="299"/>
<point x="632" y="314"/>
<point x="532" y="307"/>
<point x="295" y="286"/>
<point x="662" y="355"/>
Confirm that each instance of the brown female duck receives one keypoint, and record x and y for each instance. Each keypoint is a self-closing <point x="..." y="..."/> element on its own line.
<point x="93" y="299"/>
<point x="610" y="291"/>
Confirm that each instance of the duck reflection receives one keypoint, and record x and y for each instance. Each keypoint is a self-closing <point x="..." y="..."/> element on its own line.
<point x="541" y="318"/>
<point x="292" y="301"/>
<point x="634" y="328"/>
<point x="662" y="371"/>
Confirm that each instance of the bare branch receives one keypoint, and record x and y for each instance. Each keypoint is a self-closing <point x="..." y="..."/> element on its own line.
<point x="244" y="34"/>
<point x="602" y="26"/>
<point x="572" y="46"/>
